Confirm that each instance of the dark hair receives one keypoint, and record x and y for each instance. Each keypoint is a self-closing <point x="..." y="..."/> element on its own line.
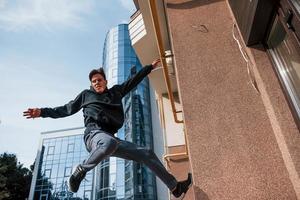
<point x="97" y="71"/>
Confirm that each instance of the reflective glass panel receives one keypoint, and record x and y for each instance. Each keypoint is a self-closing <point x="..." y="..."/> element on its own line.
<point x="286" y="54"/>
<point x="58" y="156"/>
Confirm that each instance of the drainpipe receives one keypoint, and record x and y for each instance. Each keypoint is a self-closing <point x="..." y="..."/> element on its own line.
<point x="163" y="57"/>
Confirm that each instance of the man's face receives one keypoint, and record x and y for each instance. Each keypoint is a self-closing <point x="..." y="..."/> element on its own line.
<point x="98" y="83"/>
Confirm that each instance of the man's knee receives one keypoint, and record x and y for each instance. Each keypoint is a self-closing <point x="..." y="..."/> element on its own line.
<point x="108" y="145"/>
<point x="148" y="153"/>
<point x="111" y="145"/>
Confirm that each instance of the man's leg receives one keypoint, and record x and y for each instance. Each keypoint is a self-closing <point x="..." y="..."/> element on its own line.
<point x="100" y="145"/>
<point x="130" y="151"/>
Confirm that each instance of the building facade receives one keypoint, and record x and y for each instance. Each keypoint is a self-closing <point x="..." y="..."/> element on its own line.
<point x="59" y="151"/>
<point x="118" y="178"/>
<point x="227" y="92"/>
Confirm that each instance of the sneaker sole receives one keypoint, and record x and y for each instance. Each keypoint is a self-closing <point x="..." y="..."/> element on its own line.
<point x="190" y="185"/>
<point x="73" y="169"/>
<point x="69" y="188"/>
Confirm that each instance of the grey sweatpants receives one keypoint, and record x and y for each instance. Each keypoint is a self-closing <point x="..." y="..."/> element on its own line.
<point x="102" y="145"/>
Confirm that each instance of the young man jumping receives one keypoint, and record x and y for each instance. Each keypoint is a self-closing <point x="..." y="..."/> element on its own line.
<point x="103" y="117"/>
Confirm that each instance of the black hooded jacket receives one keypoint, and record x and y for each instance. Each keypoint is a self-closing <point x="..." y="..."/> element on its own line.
<point x="105" y="109"/>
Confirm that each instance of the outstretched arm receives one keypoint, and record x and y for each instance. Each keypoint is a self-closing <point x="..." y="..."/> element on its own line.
<point x="137" y="78"/>
<point x="57" y="112"/>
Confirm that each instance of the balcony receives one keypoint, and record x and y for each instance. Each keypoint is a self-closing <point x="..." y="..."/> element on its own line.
<point x="143" y="39"/>
<point x="136" y="27"/>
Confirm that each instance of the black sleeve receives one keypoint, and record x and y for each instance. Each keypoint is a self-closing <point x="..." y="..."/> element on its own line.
<point x="135" y="80"/>
<point x="63" y="111"/>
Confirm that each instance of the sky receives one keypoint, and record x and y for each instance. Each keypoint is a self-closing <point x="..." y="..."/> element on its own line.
<point x="47" y="48"/>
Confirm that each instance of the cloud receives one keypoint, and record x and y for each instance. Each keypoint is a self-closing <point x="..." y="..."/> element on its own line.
<point x="128" y="5"/>
<point x="2" y="3"/>
<point x="48" y="14"/>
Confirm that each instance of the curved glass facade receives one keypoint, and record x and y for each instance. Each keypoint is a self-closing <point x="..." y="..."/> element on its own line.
<point x="58" y="155"/>
<point x="118" y="178"/>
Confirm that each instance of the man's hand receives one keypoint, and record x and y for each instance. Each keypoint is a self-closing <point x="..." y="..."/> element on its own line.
<point x="32" y="113"/>
<point x="155" y="63"/>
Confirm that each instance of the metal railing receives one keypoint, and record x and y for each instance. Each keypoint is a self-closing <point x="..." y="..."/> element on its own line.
<point x="159" y="40"/>
<point x="163" y="58"/>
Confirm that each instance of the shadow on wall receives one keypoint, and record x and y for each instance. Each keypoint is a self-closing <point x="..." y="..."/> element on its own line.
<point x="200" y="194"/>
<point x="188" y="4"/>
<point x="259" y="47"/>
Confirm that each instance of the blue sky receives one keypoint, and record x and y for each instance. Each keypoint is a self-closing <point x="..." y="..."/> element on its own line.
<point x="47" y="48"/>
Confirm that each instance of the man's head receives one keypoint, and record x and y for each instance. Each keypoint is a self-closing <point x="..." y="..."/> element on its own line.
<point x="98" y="80"/>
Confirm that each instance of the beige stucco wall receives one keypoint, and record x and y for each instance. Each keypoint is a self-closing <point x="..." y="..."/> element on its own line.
<point x="243" y="144"/>
<point x="173" y="131"/>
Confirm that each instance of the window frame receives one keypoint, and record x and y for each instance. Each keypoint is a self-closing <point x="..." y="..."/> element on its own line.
<point x="50" y="173"/>
<point x="293" y="32"/>
<point x="51" y="153"/>
<point x="44" y="197"/>
<point x="71" y="150"/>
<point x="67" y="171"/>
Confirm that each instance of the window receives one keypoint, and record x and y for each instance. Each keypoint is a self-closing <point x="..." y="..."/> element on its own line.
<point x="68" y="171"/>
<point x="44" y="197"/>
<point x="50" y="150"/>
<point x="70" y="148"/>
<point x="88" y="194"/>
<point x="285" y="51"/>
<point x="47" y="173"/>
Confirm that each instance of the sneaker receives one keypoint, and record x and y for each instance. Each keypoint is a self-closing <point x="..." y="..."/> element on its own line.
<point x="182" y="187"/>
<point x="76" y="178"/>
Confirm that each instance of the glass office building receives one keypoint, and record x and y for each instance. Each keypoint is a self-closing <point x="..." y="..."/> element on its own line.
<point x="118" y="178"/>
<point x="113" y="178"/>
<point x="59" y="152"/>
